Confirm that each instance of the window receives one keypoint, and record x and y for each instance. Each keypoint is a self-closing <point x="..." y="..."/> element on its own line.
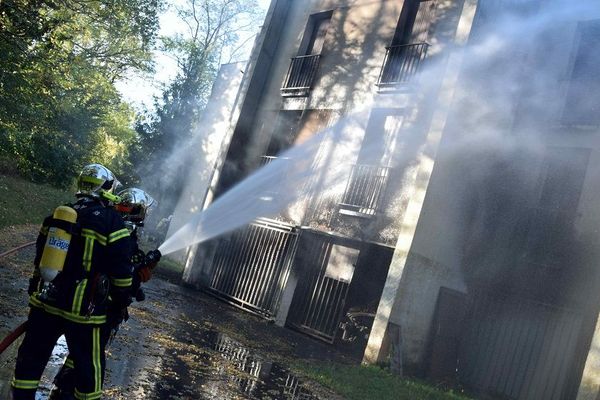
<point x="314" y="36"/>
<point x="551" y="221"/>
<point x="381" y="137"/>
<point x="582" y="104"/>
<point x="409" y="46"/>
<point x="303" y="68"/>
<point x="368" y="179"/>
<point x="415" y="22"/>
<point x="285" y="131"/>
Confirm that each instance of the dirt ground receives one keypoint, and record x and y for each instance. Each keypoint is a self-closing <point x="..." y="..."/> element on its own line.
<point x="178" y="344"/>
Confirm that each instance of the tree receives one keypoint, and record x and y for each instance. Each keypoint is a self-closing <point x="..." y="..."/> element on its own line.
<point x="59" y="108"/>
<point x="212" y="33"/>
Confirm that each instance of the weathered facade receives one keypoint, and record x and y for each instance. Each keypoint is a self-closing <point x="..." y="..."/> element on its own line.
<point x="462" y="243"/>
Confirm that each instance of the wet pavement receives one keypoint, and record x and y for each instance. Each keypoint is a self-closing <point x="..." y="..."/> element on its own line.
<point x="178" y="344"/>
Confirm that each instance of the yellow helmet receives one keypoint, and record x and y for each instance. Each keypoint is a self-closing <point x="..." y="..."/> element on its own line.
<point x="97" y="181"/>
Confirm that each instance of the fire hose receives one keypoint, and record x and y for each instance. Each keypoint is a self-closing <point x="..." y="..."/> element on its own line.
<point x="19" y="330"/>
<point x="6" y="253"/>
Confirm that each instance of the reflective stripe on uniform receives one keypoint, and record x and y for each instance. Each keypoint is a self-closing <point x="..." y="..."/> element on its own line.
<point x="69" y="363"/>
<point x="78" y="297"/>
<point x="25" y="384"/>
<point x="124" y="282"/>
<point x="89" y="233"/>
<point x="116" y="235"/>
<point x="88" y="251"/>
<point x="96" y="359"/>
<point x="87" y="396"/>
<point x="93" y="319"/>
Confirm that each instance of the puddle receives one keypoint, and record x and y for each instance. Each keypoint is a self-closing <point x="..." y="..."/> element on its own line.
<point x="59" y="354"/>
<point x="168" y="351"/>
<point x="228" y="370"/>
<point x="264" y="378"/>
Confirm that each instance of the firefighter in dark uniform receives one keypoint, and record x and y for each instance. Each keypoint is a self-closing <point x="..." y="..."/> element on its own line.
<point x="91" y="288"/>
<point x="133" y="206"/>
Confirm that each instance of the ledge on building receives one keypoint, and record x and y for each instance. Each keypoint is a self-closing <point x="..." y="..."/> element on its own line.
<point x="295" y="92"/>
<point x="356" y="211"/>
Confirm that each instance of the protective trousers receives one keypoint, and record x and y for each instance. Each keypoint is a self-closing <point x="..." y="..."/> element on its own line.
<point x="85" y="347"/>
<point x="64" y="381"/>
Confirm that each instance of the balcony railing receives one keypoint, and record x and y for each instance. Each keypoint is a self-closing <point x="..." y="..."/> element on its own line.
<point x="401" y="63"/>
<point x="266" y="160"/>
<point x="365" y="189"/>
<point x="300" y="75"/>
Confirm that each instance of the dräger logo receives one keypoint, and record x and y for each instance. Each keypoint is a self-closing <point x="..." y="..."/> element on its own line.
<point x="58" y="243"/>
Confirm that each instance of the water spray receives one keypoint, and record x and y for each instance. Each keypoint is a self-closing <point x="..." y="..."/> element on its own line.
<point x="319" y="165"/>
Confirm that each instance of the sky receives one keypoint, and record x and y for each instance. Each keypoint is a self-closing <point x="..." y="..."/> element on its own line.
<point x="139" y="90"/>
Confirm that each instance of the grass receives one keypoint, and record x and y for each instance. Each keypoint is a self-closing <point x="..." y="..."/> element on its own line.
<point x="355" y="382"/>
<point x="169" y="269"/>
<point x="25" y="202"/>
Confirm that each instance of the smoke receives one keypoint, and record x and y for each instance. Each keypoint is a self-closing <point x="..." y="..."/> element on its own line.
<point x="514" y="158"/>
<point x="498" y="152"/>
<point x="296" y="175"/>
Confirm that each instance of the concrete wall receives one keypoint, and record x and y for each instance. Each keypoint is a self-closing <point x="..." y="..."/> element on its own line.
<point x="409" y="296"/>
<point x="439" y="252"/>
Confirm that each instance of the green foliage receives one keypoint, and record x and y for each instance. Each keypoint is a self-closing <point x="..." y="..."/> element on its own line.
<point x="59" y="109"/>
<point x="24" y="202"/>
<point x="373" y="383"/>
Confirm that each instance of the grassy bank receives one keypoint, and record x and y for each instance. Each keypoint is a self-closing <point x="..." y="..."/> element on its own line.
<point x="169" y="269"/>
<point x="356" y="382"/>
<point x="25" y="202"/>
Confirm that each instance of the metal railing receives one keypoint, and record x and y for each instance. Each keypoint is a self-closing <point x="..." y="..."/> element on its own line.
<point x="401" y="63"/>
<point x="301" y="73"/>
<point x="252" y="264"/>
<point x="266" y="160"/>
<point x="365" y="188"/>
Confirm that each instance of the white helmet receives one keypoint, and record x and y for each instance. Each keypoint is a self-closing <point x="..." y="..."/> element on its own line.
<point x="97" y="181"/>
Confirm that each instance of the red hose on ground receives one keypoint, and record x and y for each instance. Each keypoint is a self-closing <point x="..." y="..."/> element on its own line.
<point x="17" y="249"/>
<point x="19" y="330"/>
<point x="11" y="337"/>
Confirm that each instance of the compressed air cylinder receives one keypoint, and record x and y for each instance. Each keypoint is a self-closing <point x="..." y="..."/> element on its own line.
<point x="57" y="245"/>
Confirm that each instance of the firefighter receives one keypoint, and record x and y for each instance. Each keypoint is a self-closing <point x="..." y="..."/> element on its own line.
<point x="83" y="258"/>
<point x="133" y="206"/>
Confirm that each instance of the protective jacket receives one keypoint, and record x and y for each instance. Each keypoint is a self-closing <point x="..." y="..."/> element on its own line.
<point x="100" y="249"/>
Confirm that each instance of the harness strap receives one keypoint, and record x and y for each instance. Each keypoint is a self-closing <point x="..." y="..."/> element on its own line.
<point x="70" y="227"/>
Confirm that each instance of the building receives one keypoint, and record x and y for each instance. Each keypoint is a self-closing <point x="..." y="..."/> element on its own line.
<point x="459" y="240"/>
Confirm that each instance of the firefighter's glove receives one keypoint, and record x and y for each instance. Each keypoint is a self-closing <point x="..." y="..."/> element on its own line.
<point x="140" y="295"/>
<point x="145" y="273"/>
<point x="34" y="284"/>
<point x="116" y="316"/>
<point x="152" y="259"/>
<point x="121" y="298"/>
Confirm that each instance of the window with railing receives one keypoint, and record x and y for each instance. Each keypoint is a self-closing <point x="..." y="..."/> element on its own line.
<point x="266" y="160"/>
<point x="303" y="68"/>
<point x="365" y="189"/>
<point x="404" y="57"/>
<point x="301" y="74"/>
<point x="401" y="63"/>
